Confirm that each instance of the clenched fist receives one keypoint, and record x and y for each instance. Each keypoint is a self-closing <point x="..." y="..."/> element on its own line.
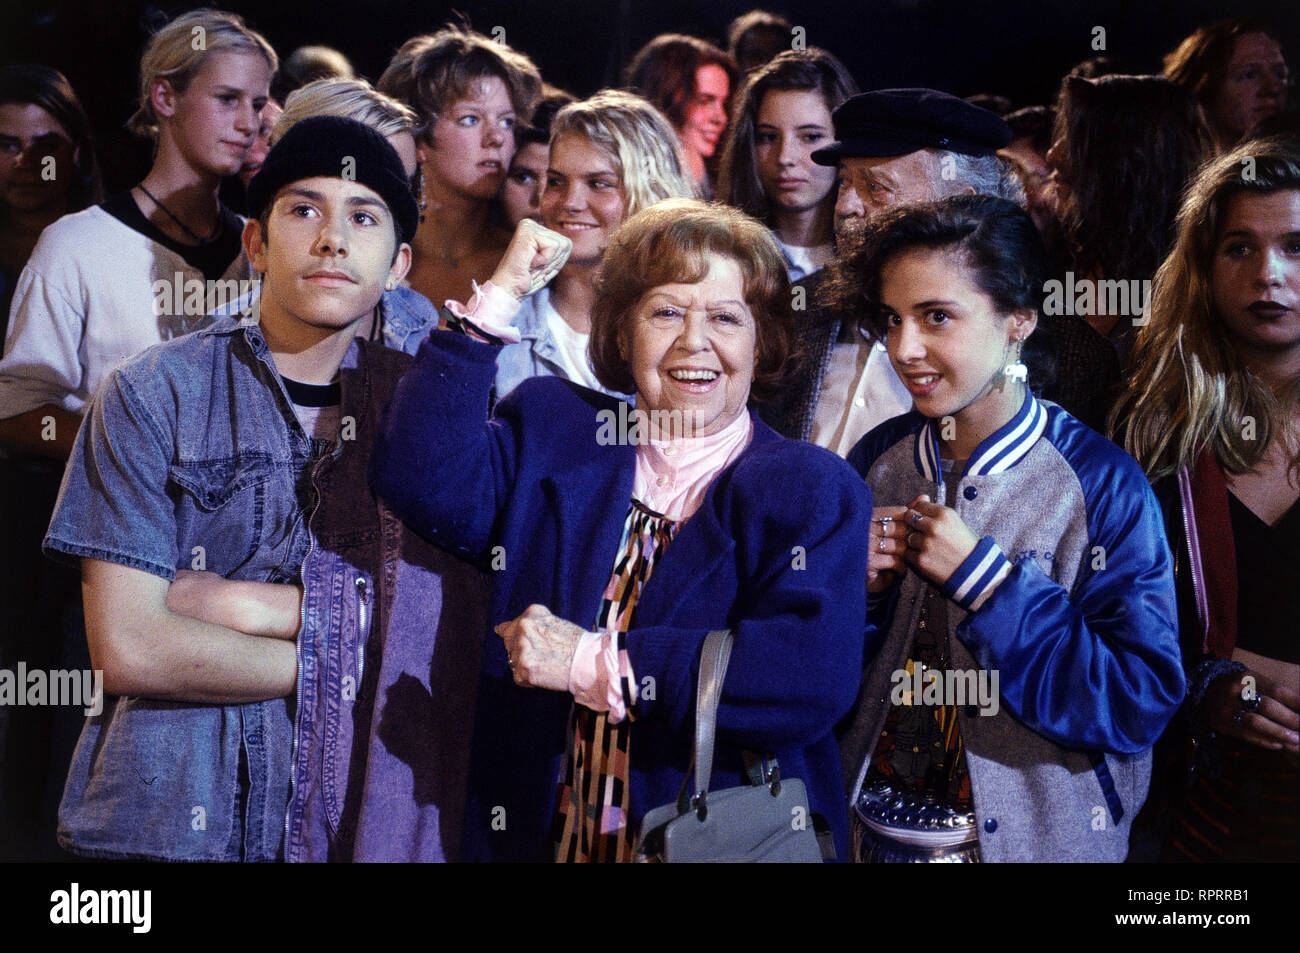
<point x="535" y="256"/>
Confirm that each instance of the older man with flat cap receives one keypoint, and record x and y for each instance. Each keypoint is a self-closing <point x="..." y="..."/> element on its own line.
<point x="893" y="147"/>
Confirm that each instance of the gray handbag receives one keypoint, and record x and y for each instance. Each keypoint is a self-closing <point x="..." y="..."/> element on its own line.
<point x="766" y="821"/>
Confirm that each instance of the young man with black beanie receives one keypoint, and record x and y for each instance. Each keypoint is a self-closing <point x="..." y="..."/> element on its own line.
<point x="285" y="680"/>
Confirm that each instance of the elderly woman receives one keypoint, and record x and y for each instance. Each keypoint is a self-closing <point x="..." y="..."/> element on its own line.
<point x="620" y="538"/>
<point x="1023" y="583"/>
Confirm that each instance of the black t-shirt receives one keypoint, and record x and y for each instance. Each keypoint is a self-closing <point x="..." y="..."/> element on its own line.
<point x="1268" y="581"/>
<point x="212" y="258"/>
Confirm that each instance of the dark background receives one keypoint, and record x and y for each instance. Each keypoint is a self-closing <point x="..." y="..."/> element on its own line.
<point x="1018" y="48"/>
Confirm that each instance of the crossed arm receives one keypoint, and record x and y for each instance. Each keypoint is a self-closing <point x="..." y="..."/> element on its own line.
<point x="200" y="639"/>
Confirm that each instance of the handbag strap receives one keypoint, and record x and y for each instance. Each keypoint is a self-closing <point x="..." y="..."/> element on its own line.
<point x="713" y="669"/>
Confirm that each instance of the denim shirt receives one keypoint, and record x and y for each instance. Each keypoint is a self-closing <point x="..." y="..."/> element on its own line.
<point x="190" y="457"/>
<point x="374" y="766"/>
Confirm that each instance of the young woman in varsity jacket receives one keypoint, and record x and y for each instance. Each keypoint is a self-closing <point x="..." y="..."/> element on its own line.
<point x="1013" y="551"/>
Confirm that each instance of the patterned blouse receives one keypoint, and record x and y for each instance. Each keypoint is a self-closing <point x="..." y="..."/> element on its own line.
<point x="591" y="818"/>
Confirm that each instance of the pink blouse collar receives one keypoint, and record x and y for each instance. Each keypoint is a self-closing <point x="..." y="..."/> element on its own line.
<point x="672" y="476"/>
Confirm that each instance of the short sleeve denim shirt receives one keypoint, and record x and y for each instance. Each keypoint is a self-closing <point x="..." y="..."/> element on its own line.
<point x="190" y="457"/>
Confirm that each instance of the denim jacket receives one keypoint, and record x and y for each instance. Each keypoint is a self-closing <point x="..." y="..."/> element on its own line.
<point x="408" y="318"/>
<point x="537" y="354"/>
<point x="192" y="457"/>
<point x="388" y="660"/>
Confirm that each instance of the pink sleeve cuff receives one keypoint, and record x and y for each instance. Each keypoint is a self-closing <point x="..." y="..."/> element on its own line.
<point x="492" y="309"/>
<point x="594" y="676"/>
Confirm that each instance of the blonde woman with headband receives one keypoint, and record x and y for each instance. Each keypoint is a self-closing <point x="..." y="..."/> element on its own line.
<point x="1212" y="412"/>
<point x="611" y="156"/>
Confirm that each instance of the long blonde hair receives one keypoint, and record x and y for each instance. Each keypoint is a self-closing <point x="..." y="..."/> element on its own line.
<point x="1188" y="390"/>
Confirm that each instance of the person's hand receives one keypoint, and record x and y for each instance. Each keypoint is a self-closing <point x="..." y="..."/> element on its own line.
<point x="1275" y="724"/>
<point x="199" y="595"/>
<point x="254" y="608"/>
<point x="535" y="256"/>
<point x="936" y="541"/>
<point x="540" y="646"/>
<point x="885" y="563"/>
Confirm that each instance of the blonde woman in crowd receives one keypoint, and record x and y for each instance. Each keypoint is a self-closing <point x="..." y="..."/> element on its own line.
<point x="611" y="156"/>
<point x="87" y="298"/>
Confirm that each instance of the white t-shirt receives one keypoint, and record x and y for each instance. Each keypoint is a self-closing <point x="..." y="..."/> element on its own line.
<point x="88" y="299"/>
<point x="572" y="346"/>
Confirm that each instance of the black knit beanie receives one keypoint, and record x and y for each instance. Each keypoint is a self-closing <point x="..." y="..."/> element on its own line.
<point x="338" y="148"/>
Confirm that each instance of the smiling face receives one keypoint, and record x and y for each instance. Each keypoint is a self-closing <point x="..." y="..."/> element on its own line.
<point x="706" y="113"/>
<point x="1253" y="88"/>
<point x="1256" y="274"/>
<point x="473" y="142"/>
<point x="521" y="196"/>
<point x="948" y="342"/>
<point x="327" y="253"/>
<point x="215" y="121"/>
<point x="869" y="186"/>
<point x="29" y="139"/>
<point x="692" y="348"/>
<point x="791" y="124"/>
<point x="584" y="198"/>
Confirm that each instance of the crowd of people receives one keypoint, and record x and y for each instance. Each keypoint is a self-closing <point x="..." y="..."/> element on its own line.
<point x="390" y="454"/>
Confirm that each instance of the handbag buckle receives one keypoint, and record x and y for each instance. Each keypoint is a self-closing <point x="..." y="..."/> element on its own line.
<point x="699" y="805"/>
<point x="773" y="776"/>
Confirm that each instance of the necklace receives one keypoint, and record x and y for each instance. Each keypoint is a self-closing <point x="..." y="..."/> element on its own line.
<point x="188" y="231"/>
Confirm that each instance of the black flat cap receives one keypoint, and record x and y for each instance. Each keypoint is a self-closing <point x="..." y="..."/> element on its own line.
<point x="337" y="148"/>
<point x="895" y="122"/>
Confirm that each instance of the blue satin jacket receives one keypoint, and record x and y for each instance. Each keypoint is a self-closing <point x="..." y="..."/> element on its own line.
<point x="1082" y="633"/>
